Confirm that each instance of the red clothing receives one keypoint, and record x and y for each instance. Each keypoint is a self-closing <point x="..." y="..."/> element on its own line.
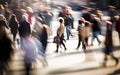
<point x="30" y="15"/>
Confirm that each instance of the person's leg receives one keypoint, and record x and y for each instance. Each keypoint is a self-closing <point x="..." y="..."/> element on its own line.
<point x="93" y="37"/>
<point x="67" y="32"/>
<point x="86" y="40"/>
<point x="28" y="68"/>
<point x="79" y="41"/>
<point x="84" y="45"/>
<point x="57" y="48"/>
<point x="62" y="41"/>
<point x="63" y="45"/>
<point x="105" y="60"/>
<point x="96" y="36"/>
<point x="116" y="59"/>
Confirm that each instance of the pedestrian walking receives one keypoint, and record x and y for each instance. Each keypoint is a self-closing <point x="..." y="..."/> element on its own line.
<point x="13" y="24"/>
<point x="109" y="44"/>
<point x="7" y="48"/>
<point x="95" y="29"/>
<point x="68" y="19"/>
<point x="81" y="24"/>
<point x="31" y="47"/>
<point x="60" y="34"/>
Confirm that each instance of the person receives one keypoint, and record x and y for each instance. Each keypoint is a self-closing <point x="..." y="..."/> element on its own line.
<point x="109" y="44"/>
<point x="84" y="29"/>
<point x="60" y="34"/>
<point x="48" y="14"/>
<point x="81" y="24"/>
<point x="112" y="12"/>
<point x="29" y="45"/>
<point x="13" y="24"/>
<point x="86" y="13"/>
<point x="2" y="17"/>
<point x="7" y="12"/>
<point x="88" y="32"/>
<point x="95" y="28"/>
<point x="2" y="9"/>
<point x="7" y="48"/>
<point x="42" y="30"/>
<point x="17" y="11"/>
<point x="68" y="19"/>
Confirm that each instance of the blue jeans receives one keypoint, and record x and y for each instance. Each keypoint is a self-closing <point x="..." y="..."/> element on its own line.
<point x="68" y="31"/>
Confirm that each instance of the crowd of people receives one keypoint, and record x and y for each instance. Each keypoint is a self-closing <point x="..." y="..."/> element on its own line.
<point x="33" y="25"/>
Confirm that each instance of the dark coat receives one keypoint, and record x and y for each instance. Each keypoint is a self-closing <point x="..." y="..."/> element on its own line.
<point x="117" y="26"/>
<point x="24" y="28"/>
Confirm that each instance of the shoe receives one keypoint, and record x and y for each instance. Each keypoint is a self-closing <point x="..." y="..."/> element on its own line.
<point x="65" y="48"/>
<point x="56" y="51"/>
<point x="117" y="61"/>
<point x="77" y="48"/>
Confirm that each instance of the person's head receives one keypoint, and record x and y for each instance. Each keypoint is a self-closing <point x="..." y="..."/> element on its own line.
<point x="82" y="19"/>
<point x="13" y="16"/>
<point x="79" y="22"/>
<point x="87" y="23"/>
<point x="61" y="20"/>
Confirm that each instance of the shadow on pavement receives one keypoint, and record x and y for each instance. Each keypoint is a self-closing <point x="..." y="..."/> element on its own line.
<point x="70" y="70"/>
<point x="117" y="72"/>
<point x="116" y="48"/>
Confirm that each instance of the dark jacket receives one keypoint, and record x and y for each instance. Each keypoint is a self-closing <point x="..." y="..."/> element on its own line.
<point x="24" y="28"/>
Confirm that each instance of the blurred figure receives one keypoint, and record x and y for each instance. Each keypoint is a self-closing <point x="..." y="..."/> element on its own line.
<point x="23" y="5"/>
<point x="41" y="18"/>
<point x="2" y="9"/>
<point x="31" y="18"/>
<point x="30" y="46"/>
<point x="18" y="13"/>
<point x="62" y="11"/>
<point x="81" y="24"/>
<point x="24" y="13"/>
<point x="88" y="32"/>
<point x="48" y="16"/>
<point x="109" y="44"/>
<point x="13" y="24"/>
<point x="84" y="29"/>
<point x="36" y="7"/>
<point x="86" y="14"/>
<point x="6" y="22"/>
<point x="43" y="30"/>
<point x="68" y="20"/>
<point x="117" y="26"/>
<point x="6" y="48"/>
<point x="60" y="34"/>
<point x="30" y="13"/>
<point x="27" y="45"/>
<point x="112" y="12"/>
<point x="95" y="28"/>
<point x="7" y="11"/>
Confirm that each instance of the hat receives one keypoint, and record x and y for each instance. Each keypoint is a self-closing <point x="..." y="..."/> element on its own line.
<point x="113" y="7"/>
<point x="5" y="4"/>
<point x="109" y="23"/>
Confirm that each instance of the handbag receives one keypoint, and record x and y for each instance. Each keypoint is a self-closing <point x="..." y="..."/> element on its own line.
<point x="85" y="32"/>
<point x="56" y="40"/>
